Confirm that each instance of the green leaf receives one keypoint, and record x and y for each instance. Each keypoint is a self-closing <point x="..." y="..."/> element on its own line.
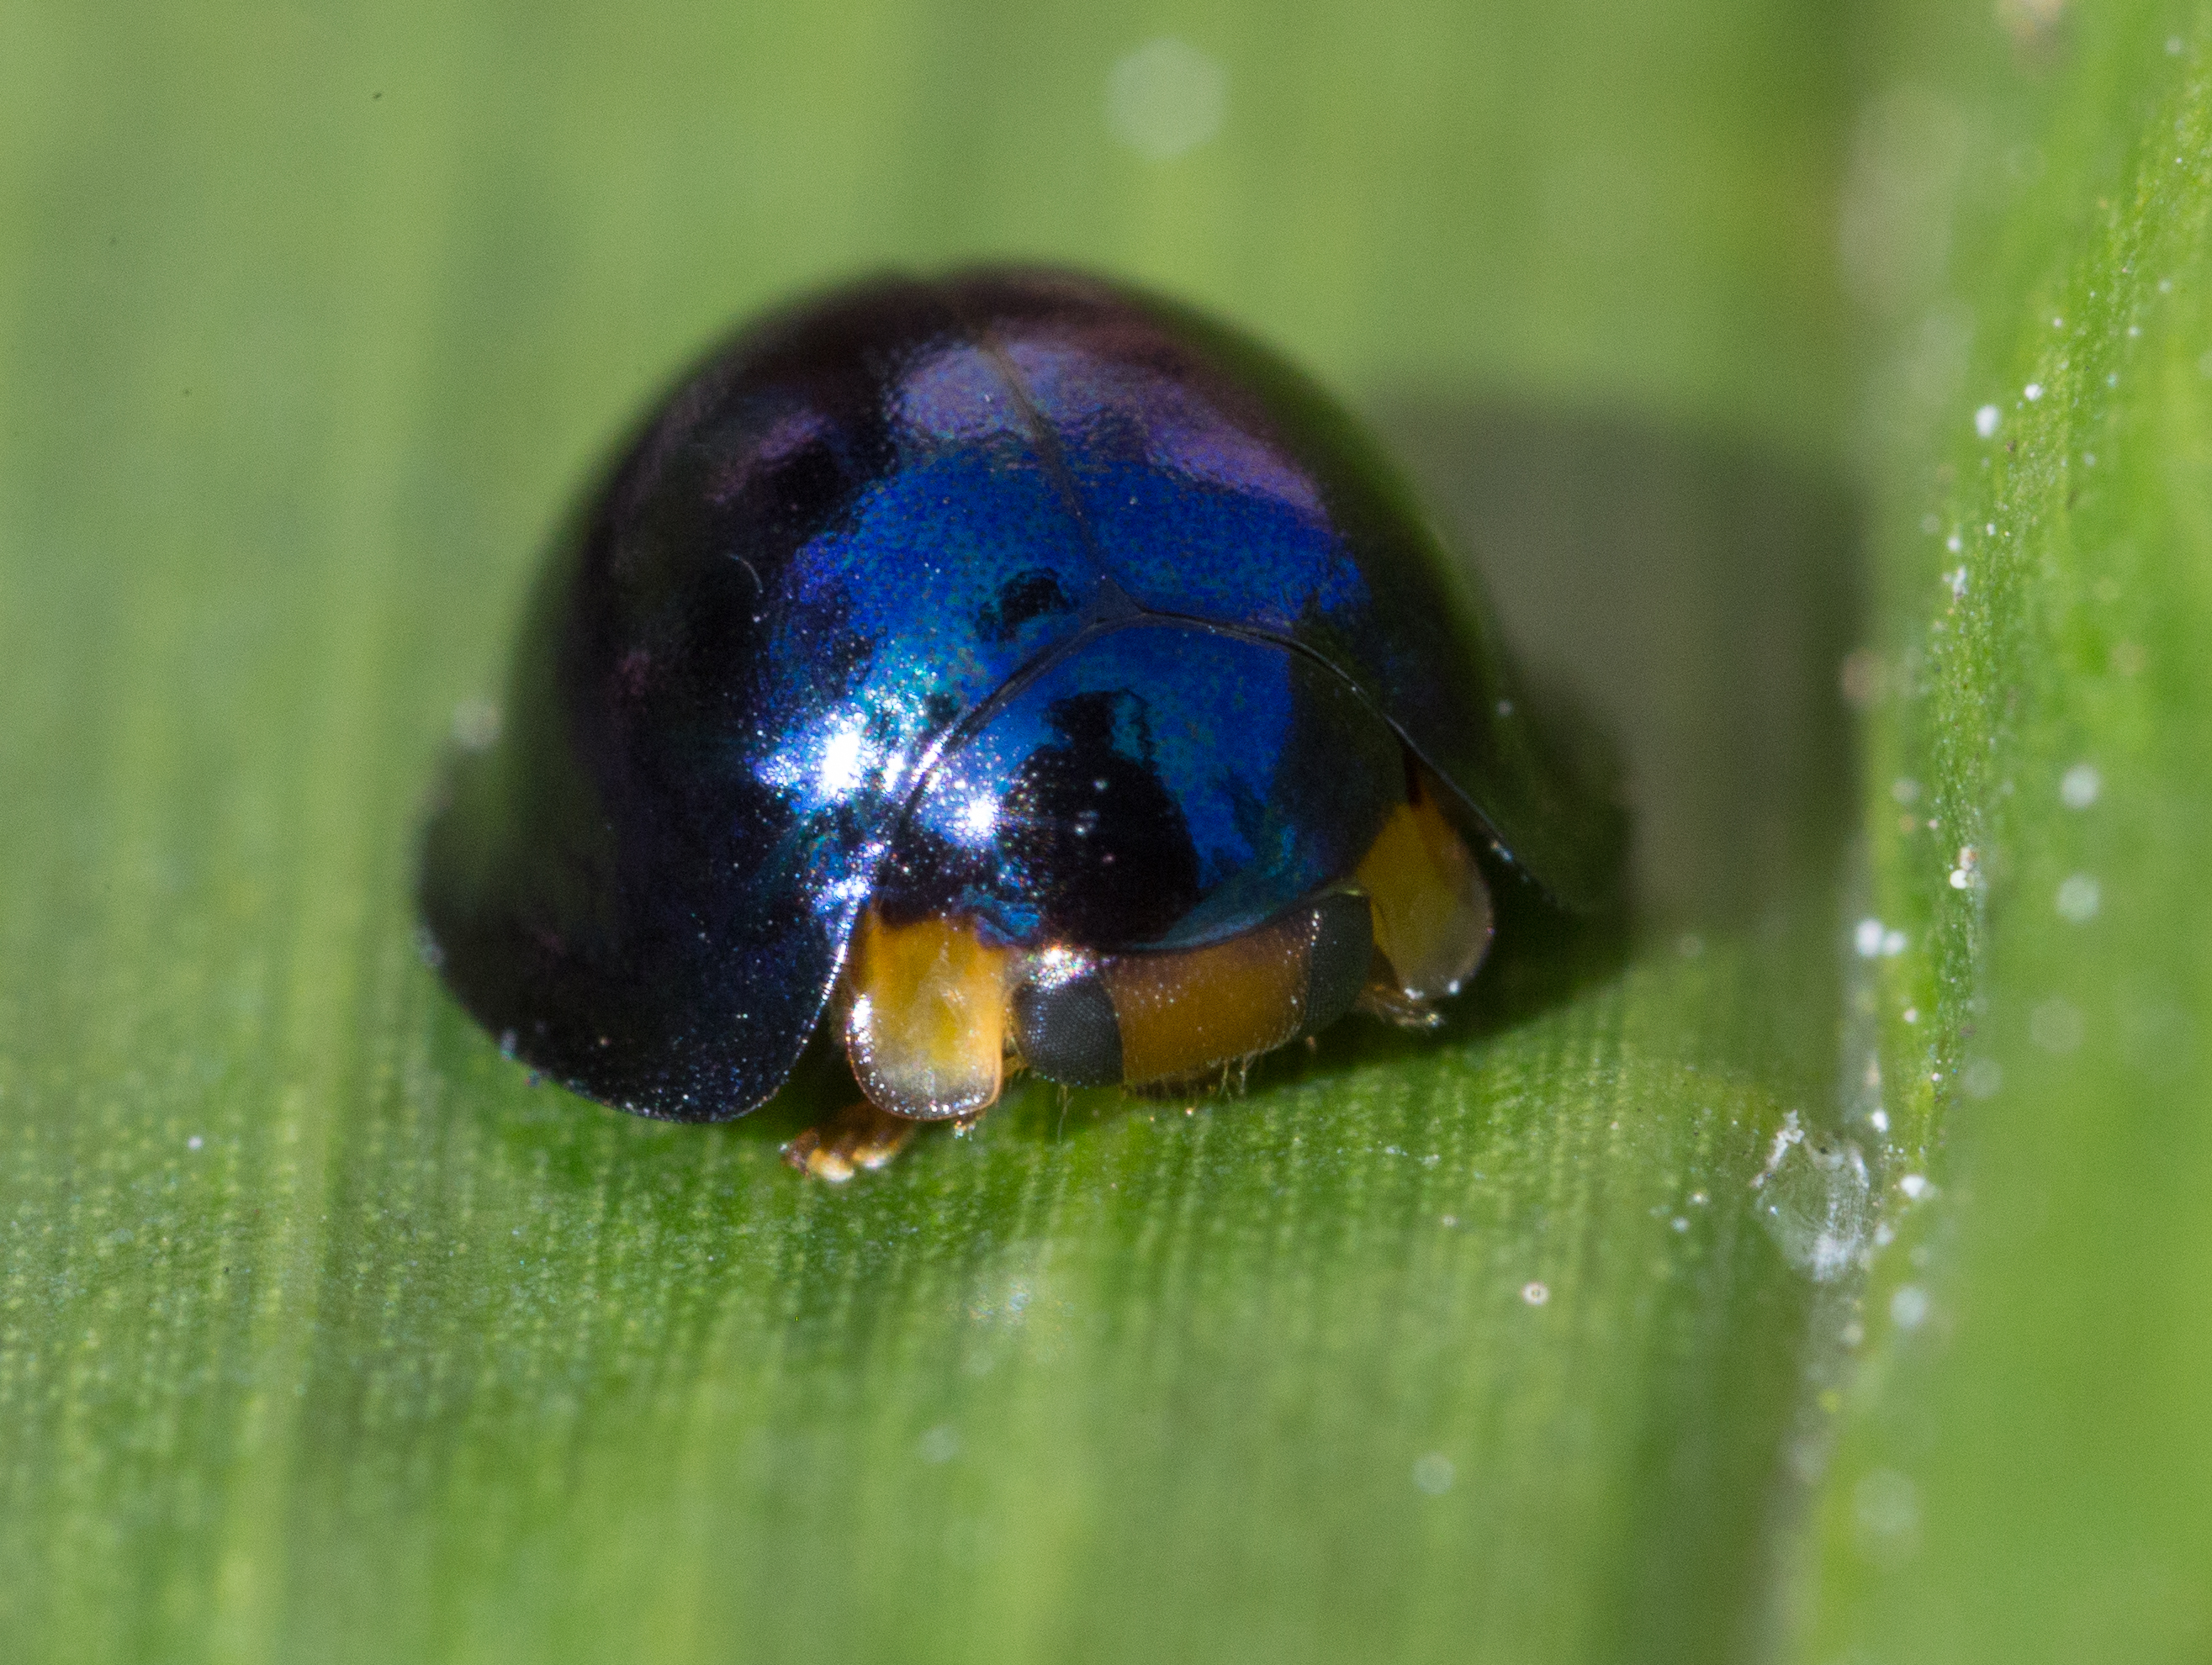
<point x="324" y="1334"/>
<point x="2022" y="1462"/>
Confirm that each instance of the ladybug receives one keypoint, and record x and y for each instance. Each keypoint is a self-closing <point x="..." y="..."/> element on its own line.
<point x="1016" y="670"/>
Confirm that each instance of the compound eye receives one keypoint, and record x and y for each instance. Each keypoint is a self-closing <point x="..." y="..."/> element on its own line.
<point x="1066" y="1030"/>
<point x="1341" y="958"/>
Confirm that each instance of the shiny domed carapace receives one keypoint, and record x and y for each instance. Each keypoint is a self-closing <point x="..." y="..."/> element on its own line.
<point x="1016" y="670"/>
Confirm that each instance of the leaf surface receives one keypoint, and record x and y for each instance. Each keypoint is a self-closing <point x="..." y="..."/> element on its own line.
<point x="324" y="1334"/>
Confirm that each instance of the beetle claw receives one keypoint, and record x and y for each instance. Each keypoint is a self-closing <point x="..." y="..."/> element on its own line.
<point x="1393" y="1006"/>
<point x="858" y="1136"/>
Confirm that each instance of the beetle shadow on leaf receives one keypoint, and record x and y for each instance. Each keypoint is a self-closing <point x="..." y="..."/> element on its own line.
<point x="1696" y="598"/>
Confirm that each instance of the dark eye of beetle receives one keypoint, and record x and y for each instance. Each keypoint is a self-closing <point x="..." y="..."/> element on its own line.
<point x="1106" y="848"/>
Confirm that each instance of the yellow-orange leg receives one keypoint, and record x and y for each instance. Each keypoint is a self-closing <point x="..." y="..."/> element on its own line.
<point x="926" y="1033"/>
<point x="926" y="1022"/>
<point x="1432" y="914"/>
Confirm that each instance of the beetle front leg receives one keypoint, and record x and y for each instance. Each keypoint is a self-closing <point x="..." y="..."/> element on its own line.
<point x="926" y="1033"/>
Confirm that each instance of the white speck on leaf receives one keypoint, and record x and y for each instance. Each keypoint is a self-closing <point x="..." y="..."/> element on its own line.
<point x="1166" y="98"/>
<point x="2079" y="897"/>
<point x="476" y="724"/>
<point x="1886" y="1508"/>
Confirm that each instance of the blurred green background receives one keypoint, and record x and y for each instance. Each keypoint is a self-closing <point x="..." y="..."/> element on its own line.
<point x="1815" y="1268"/>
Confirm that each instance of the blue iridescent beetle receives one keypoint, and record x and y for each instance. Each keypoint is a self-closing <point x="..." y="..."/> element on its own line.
<point x="1022" y="670"/>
